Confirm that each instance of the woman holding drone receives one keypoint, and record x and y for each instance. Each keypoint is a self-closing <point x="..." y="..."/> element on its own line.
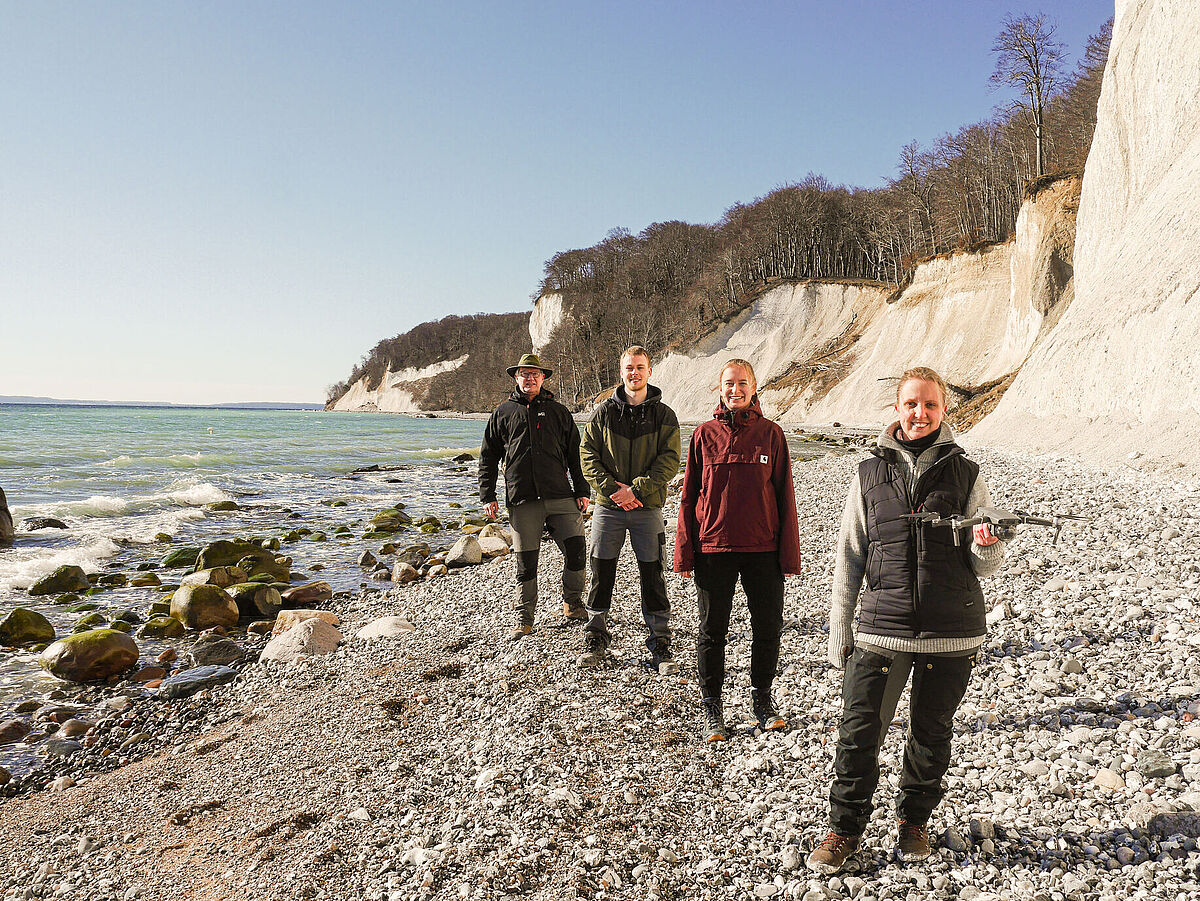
<point x="922" y="613"/>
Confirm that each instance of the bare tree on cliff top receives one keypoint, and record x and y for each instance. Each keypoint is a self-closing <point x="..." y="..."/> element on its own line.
<point x="1028" y="58"/>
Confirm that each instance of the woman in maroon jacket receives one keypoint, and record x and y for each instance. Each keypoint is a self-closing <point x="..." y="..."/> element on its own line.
<point x="737" y="517"/>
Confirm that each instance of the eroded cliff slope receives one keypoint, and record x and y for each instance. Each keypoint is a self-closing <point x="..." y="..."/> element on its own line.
<point x="827" y="352"/>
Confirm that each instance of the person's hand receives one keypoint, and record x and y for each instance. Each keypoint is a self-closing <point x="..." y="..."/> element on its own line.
<point x="582" y="504"/>
<point x="492" y="510"/>
<point x="624" y="497"/>
<point x="983" y="534"/>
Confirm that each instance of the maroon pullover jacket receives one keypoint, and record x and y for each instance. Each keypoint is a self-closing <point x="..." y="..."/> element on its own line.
<point x="737" y="491"/>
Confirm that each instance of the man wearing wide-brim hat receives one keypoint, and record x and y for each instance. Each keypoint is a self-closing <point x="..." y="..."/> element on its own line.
<point x="538" y="441"/>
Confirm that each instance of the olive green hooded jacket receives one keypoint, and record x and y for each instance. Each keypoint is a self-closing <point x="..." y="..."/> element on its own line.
<point x="637" y="445"/>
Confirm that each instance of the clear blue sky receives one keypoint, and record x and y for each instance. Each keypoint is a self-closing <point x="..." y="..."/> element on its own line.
<point x="233" y="201"/>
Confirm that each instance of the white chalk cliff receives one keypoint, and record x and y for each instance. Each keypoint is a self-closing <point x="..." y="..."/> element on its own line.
<point x="1119" y="375"/>
<point x="397" y="393"/>
<point x="824" y="351"/>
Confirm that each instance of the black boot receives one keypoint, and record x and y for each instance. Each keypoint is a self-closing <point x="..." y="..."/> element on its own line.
<point x="714" y="720"/>
<point x="764" y="710"/>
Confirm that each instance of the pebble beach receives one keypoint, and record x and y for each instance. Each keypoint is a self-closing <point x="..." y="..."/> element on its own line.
<point x="441" y="761"/>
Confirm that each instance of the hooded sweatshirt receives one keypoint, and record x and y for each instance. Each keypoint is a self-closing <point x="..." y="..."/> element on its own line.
<point x="737" y="491"/>
<point x="636" y="444"/>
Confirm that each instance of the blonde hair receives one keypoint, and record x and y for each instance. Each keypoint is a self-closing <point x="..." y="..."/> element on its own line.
<point x="925" y="374"/>
<point x="744" y="364"/>
<point x="636" y="350"/>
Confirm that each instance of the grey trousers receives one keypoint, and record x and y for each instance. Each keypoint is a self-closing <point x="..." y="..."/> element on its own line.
<point x="647" y="534"/>
<point x="566" y="528"/>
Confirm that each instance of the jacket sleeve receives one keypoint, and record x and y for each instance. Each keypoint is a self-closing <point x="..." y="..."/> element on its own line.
<point x="850" y="563"/>
<point x="491" y="452"/>
<point x="666" y="462"/>
<point x="785" y="496"/>
<point x="686" y="528"/>
<point x="984" y="560"/>
<point x="591" y="452"/>
<point x="579" y="483"/>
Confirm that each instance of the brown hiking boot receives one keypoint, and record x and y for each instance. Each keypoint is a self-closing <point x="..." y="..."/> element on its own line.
<point x="575" y="613"/>
<point x="833" y="852"/>
<point x="520" y="632"/>
<point x="914" y="842"/>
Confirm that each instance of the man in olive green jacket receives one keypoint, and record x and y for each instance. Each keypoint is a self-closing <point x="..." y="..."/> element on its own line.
<point x="630" y="451"/>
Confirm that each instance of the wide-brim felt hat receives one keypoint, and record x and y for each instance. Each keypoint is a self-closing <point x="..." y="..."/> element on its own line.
<point x="529" y="361"/>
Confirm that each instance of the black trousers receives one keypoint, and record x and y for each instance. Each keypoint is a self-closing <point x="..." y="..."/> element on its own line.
<point x="938" y="685"/>
<point x="762" y="579"/>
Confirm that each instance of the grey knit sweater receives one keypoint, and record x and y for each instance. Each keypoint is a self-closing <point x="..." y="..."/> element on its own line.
<point x="852" y="557"/>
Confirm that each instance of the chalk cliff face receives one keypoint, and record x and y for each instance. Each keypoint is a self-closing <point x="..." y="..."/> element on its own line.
<point x="547" y="315"/>
<point x="1120" y="373"/>
<point x="825" y="352"/>
<point x="395" y="393"/>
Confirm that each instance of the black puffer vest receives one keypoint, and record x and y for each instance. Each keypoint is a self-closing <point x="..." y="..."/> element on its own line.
<point x="918" y="584"/>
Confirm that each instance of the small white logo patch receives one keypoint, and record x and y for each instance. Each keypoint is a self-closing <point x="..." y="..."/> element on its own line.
<point x="762" y="458"/>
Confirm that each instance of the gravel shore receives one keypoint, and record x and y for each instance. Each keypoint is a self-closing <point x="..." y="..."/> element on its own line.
<point x="448" y="763"/>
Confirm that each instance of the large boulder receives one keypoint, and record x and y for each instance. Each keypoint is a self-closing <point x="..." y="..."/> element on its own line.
<point x="264" y="562"/>
<point x="90" y="656"/>
<point x="492" y="546"/>
<point x="414" y="555"/>
<point x="204" y="606"/>
<point x="254" y="599"/>
<point x="25" y="626"/>
<point x="307" y="594"/>
<point x="180" y="558"/>
<point x="162" y="627"/>
<point x="288" y="619"/>
<point x="466" y="552"/>
<point x="217" y="651"/>
<point x="495" y="530"/>
<point x="308" y="639"/>
<point x="390" y="520"/>
<point x="65" y="578"/>
<point x="6" y="522"/>
<point x="221" y="576"/>
<point x="225" y="553"/>
<point x="190" y="681"/>
<point x="385" y="627"/>
<point x="404" y="573"/>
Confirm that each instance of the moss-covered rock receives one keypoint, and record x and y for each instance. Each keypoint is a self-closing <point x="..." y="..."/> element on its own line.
<point x="204" y="606"/>
<point x="183" y="557"/>
<point x="225" y="553"/>
<point x="159" y="608"/>
<point x="113" y="580"/>
<point x="90" y="621"/>
<point x="221" y="576"/>
<point x="163" y="538"/>
<point x="265" y="561"/>
<point x="145" y="580"/>
<point x="65" y="578"/>
<point x="256" y="600"/>
<point x="162" y="627"/>
<point x="90" y="656"/>
<point x="222" y="507"/>
<point x="121" y="625"/>
<point x="24" y="626"/>
<point x="390" y="520"/>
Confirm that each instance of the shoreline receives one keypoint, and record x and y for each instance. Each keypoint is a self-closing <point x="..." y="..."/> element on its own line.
<point x="447" y="757"/>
